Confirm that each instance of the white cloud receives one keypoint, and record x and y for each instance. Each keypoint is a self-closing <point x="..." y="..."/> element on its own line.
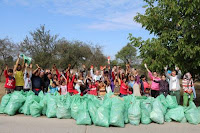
<point x="107" y="14"/>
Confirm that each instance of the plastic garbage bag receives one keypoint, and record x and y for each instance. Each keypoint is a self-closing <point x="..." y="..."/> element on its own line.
<point x="117" y="112"/>
<point x="75" y="103"/>
<point x="15" y="102"/>
<point x="163" y="100"/>
<point x="83" y="117"/>
<point x="51" y="106"/>
<point x="63" y="109"/>
<point x="127" y="101"/>
<point x="4" y="101"/>
<point x="35" y="109"/>
<point x="29" y="100"/>
<point x="157" y="114"/>
<point x="192" y="114"/>
<point x="171" y="102"/>
<point x="134" y="113"/>
<point x="176" y="114"/>
<point x="146" y="109"/>
<point x="103" y="112"/>
<point x="92" y="108"/>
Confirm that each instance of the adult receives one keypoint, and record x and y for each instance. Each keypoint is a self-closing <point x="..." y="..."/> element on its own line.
<point x="155" y="87"/>
<point x="37" y="84"/>
<point x="174" y="84"/>
<point x="18" y="72"/>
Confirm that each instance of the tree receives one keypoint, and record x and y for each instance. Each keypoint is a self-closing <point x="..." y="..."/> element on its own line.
<point x="7" y="52"/>
<point x="40" y="46"/>
<point x="127" y="54"/>
<point x="175" y="24"/>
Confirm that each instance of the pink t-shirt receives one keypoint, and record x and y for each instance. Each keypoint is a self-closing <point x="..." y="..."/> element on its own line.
<point x="154" y="85"/>
<point x="63" y="89"/>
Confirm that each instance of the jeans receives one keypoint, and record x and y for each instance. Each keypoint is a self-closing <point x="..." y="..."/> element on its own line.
<point x="122" y="95"/>
<point x="177" y="94"/>
<point x="187" y="96"/>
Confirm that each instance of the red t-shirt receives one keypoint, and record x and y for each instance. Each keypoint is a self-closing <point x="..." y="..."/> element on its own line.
<point x="93" y="90"/>
<point x="70" y="85"/>
<point x="123" y="88"/>
<point x="10" y="81"/>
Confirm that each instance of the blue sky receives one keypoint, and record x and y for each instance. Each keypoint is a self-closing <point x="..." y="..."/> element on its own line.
<point x="103" y="22"/>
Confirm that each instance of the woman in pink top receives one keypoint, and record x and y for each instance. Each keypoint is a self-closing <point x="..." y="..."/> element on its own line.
<point x="154" y="86"/>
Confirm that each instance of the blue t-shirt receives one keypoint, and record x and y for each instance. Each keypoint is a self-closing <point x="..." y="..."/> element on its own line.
<point x="131" y="83"/>
<point x="53" y="90"/>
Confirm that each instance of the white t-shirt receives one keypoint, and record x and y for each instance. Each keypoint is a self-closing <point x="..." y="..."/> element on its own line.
<point x="108" y="89"/>
<point x="174" y="82"/>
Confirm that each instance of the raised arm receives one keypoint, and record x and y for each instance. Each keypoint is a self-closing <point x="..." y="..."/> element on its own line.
<point x="166" y="73"/>
<point x="16" y="64"/>
<point x="6" y="72"/>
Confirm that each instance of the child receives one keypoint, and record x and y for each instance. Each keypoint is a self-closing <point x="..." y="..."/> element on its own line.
<point x="117" y="83"/>
<point x="27" y="78"/>
<point x="164" y="85"/>
<point x="124" y="87"/>
<point x="37" y="84"/>
<point x="188" y="86"/>
<point x="63" y="86"/>
<point x="102" y="89"/>
<point x="53" y="88"/>
<point x="145" y="86"/>
<point x="10" y="80"/>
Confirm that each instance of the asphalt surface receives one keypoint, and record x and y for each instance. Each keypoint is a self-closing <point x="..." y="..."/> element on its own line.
<point x="28" y="124"/>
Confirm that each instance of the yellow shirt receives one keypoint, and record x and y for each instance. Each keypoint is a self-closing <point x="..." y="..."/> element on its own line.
<point x="19" y="78"/>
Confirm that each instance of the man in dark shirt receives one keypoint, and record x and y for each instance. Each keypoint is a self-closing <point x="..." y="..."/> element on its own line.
<point x="37" y="85"/>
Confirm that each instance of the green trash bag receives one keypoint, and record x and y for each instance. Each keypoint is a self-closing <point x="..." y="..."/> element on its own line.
<point x="76" y="102"/>
<point x="162" y="99"/>
<point x="29" y="100"/>
<point x="103" y="112"/>
<point x="117" y="112"/>
<point x="134" y="113"/>
<point x="127" y="101"/>
<point x="4" y="101"/>
<point x="171" y="102"/>
<point x="35" y="109"/>
<point x="83" y="117"/>
<point x="92" y="108"/>
<point x="176" y="114"/>
<point x="63" y="109"/>
<point x="157" y="114"/>
<point x="15" y="102"/>
<point x="192" y="114"/>
<point x="43" y="104"/>
<point x="146" y="109"/>
<point x="51" y="106"/>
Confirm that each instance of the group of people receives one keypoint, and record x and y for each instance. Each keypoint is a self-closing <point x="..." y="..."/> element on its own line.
<point x="121" y="82"/>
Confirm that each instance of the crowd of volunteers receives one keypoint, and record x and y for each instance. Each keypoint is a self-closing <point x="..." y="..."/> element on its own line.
<point x="98" y="82"/>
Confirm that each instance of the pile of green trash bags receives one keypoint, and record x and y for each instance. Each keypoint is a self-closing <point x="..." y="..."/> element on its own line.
<point x="111" y="111"/>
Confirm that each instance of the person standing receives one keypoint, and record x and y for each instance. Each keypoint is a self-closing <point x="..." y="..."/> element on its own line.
<point x="27" y="78"/>
<point x="18" y="72"/>
<point x="188" y="86"/>
<point x="155" y="87"/>
<point x="174" y="83"/>
<point x="10" y="80"/>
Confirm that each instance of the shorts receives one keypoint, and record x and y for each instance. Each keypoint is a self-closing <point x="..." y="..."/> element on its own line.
<point x="19" y="88"/>
<point x="9" y="90"/>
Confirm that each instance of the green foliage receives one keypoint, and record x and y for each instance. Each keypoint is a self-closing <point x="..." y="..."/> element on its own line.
<point x="46" y="49"/>
<point x="175" y="25"/>
<point x="127" y="54"/>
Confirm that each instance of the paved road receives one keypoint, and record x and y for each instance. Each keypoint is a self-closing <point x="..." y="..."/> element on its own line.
<point x="28" y="124"/>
